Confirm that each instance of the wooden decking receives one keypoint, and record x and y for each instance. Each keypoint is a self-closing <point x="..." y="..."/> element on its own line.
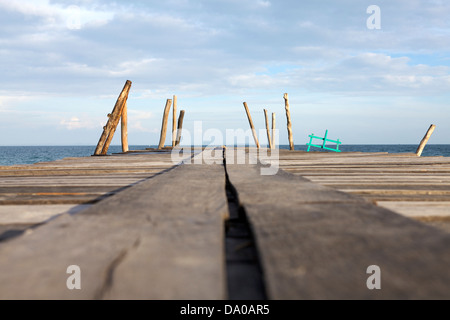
<point x="31" y="194"/>
<point x="141" y="226"/>
<point x="417" y="187"/>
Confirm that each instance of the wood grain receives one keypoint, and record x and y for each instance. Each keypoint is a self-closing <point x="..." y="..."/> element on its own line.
<point x="316" y="242"/>
<point x="138" y="244"/>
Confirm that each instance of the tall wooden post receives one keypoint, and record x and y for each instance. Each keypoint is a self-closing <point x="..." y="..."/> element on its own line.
<point x="124" y="128"/>
<point x="113" y="121"/>
<point x="174" y="121"/>
<point x="425" y="139"/>
<point x="289" y="123"/>
<point x="162" y="138"/>
<point x="251" y="125"/>
<point x="180" y="127"/>
<point x="273" y="130"/>
<point x="268" y="129"/>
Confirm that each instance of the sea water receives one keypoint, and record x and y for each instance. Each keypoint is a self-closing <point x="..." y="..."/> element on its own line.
<point x="16" y="155"/>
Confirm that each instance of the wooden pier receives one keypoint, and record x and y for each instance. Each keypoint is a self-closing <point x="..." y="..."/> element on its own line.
<point x="141" y="226"/>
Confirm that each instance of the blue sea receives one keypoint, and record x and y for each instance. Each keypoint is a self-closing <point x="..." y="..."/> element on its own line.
<point x="11" y="155"/>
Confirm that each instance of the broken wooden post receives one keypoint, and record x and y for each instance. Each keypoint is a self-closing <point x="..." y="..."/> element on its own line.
<point x="162" y="138"/>
<point x="273" y="131"/>
<point x="180" y="127"/>
<point x="174" y="122"/>
<point x="425" y="140"/>
<point x="251" y="124"/>
<point x="124" y="128"/>
<point x="113" y="121"/>
<point x="268" y="129"/>
<point x="289" y="124"/>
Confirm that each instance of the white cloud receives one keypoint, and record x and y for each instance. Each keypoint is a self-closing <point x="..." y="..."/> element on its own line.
<point x="56" y="15"/>
<point x="136" y="120"/>
<point x="264" y="4"/>
<point x="30" y="7"/>
<point x="133" y="67"/>
<point x="226" y="49"/>
<point x="11" y="102"/>
<point x="75" y="123"/>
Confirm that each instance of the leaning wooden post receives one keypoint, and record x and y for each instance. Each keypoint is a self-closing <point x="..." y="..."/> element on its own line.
<point x="113" y="121"/>
<point x="124" y="128"/>
<point x="273" y="130"/>
<point x="180" y="127"/>
<point x="162" y="138"/>
<point x="289" y="124"/>
<point x="251" y="124"/>
<point x="425" y="140"/>
<point x="174" y="122"/>
<point x="268" y="129"/>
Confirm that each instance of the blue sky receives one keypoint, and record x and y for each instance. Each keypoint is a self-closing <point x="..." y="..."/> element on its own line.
<point x="63" y="64"/>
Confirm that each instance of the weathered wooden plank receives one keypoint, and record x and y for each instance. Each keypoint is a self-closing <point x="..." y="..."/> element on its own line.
<point x="13" y="230"/>
<point x="442" y="224"/>
<point x="47" y="200"/>
<point x="381" y="179"/>
<point x="402" y="197"/>
<point x="386" y="184"/>
<point x="369" y="174"/>
<point x="78" y="172"/>
<point x="56" y="190"/>
<point x="317" y="243"/>
<point x="386" y="191"/>
<point x="367" y="166"/>
<point x="90" y="165"/>
<point x="10" y="215"/>
<point x="418" y="209"/>
<point x="362" y="158"/>
<point x="325" y="171"/>
<point x="355" y="157"/>
<point x="115" y="183"/>
<point x="112" y="160"/>
<point x="392" y="188"/>
<point x="108" y="180"/>
<point x="160" y="239"/>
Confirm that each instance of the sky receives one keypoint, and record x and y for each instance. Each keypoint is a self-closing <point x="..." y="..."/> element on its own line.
<point x="367" y="78"/>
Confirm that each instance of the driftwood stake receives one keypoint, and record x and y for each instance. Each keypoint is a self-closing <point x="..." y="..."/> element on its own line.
<point x="425" y="139"/>
<point x="162" y="138"/>
<point x="174" y="122"/>
<point x="268" y="129"/>
<point x="180" y="127"/>
<point x="124" y="128"/>
<point x="113" y="121"/>
<point x="273" y="130"/>
<point x="251" y="124"/>
<point x="289" y="123"/>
